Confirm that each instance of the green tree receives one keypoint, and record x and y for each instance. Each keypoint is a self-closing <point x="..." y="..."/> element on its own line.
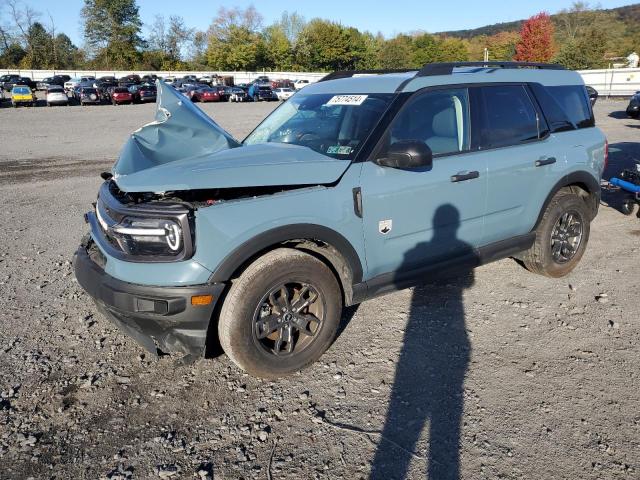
<point x="112" y="30"/>
<point x="235" y="41"/>
<point x="585" y="52"/>
<point x="278" y="51"/>
<point x="39" y="53"/>
<point x="396" y="53"/>
<point x="323" y="45"/>
<point x="452" y="50"/>
<point x="425" y="50"/>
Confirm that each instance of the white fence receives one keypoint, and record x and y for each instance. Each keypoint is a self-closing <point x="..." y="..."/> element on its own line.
<point x="238" y="77"/>
<point x="614" y="82"/>
<point x="608" y="82"/>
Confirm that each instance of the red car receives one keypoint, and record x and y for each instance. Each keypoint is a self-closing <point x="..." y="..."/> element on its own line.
<point x="121" y="95"/>
<point x="205" y="95"/>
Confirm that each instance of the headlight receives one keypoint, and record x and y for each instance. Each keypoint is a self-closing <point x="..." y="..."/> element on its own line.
<point x="148" y="236"/>
<point x="147" y="232"/>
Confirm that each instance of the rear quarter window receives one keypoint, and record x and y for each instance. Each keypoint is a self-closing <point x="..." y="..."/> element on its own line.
<point x="574" y="100"/>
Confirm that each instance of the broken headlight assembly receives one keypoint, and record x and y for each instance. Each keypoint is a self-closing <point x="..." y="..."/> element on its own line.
<point x="143" y="232"/>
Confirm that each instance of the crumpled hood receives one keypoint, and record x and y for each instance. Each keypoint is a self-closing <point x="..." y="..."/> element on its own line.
<point x="184" y="149"/>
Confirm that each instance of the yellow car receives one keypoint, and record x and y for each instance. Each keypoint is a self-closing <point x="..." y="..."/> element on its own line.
<point x="21" y="94"/>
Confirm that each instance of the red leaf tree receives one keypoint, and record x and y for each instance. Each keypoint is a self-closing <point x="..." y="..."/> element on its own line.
<point x="536" y="40"/>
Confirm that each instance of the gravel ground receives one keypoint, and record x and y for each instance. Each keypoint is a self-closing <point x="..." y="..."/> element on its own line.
<point x="500" y="374"/>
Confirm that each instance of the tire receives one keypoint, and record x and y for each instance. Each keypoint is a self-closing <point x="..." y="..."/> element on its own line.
<point x="628" y="206"/>
<point x="540" y="258"/>
<point x="250" y="299"/>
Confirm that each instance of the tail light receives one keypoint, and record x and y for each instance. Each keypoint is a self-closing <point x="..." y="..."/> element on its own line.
<point x="606" y="155"/>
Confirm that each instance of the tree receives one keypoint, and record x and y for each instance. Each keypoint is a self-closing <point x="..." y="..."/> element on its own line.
<point x="324" y="45"/>
<point x="536" y="40"/>
<point x="39" y="52"/>
<point x="425" y="50"/>
<point x="278" y="52"/>
<point x="112" y="30"/>
<point x="235" y="42"/>
<point x="396" y="53"/>
<point x="586" y="52"/>
<point x="292" y="24"/>
<point x="452" y="50"/>
<point x="169" y="40"/>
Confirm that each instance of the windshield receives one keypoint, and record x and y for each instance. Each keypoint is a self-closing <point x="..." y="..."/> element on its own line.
<point x="334" y="125"/>
<point x="21" y="90"/>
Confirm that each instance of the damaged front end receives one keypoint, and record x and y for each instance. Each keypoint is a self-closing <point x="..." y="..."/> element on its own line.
<point x="140" y="263"/>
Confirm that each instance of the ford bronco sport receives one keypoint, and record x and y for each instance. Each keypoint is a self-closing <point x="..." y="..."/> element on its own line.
<point x="357" y="186"/>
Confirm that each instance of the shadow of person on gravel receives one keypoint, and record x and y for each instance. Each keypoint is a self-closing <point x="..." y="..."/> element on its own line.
<point x="428" y="384"/>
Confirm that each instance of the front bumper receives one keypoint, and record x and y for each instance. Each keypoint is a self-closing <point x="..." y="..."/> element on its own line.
<point x="158" y="318"/>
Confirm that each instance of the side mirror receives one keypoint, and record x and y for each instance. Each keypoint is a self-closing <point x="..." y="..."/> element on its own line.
<point x="407" y="154"/>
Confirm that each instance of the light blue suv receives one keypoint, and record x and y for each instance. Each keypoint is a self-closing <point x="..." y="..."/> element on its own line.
<point x="360" y="184"/>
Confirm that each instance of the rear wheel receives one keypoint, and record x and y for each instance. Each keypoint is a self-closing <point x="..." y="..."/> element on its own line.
<point x="561" y="236"/>
<point x="281" y="314"/>
<point x="628" y="206"/>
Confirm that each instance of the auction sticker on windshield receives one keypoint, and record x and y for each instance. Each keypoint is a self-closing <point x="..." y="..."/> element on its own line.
<point x="347" y="100"/>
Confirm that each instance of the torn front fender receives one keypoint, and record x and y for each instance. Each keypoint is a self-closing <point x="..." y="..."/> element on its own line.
<point x="180" y="130"/>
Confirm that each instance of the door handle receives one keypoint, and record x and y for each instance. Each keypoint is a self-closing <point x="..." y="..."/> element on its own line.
<point x="545" y="161"/>
<point x="461" y="177"/>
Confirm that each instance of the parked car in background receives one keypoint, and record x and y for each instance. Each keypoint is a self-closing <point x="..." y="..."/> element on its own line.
<point x="8" y="81"/>
<point x="238" y="95"/>
<point x="265" y="94"/>
<point x="224" y="92"/>
<point x="75" y="93"/>
<point x="208" y="79"/>
<point x="593" y="95"/>
<point x="170" y="80"/>
<point x="56" y="95"/>
<point x="149" y="78"/>
<point x="633" y="109"/>
<point x="89" y="96"/>
<point x="104" y="88"/>
<point x="147" y="93"/>
<point x="190" y="79"/>
<point x="121" y="95"/>
<point x="206" y="94"/>
<point x="282" y="83"/>
<point x="130" y="79"/>
<point x="262" y="79"/>
<point x="300" y="83"/>
<point x="70" y="84"/>
<point x="22" y="95"/>
<point x="48" y="81"/>
<point x="17" y="80"/>
<point x="284" y="93"/>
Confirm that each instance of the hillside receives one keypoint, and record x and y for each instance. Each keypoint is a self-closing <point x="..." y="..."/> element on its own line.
<point x="629" y="14"/>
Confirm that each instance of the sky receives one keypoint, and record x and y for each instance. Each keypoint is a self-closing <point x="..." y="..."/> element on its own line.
<point x="388" y="17"/>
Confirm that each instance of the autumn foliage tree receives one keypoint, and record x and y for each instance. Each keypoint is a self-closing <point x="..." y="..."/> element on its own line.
<point x="536" y="40"/>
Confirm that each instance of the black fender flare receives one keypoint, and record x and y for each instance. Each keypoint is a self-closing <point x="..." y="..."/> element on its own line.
<point x="303" y="231"/>
<point x="579" y="177"/>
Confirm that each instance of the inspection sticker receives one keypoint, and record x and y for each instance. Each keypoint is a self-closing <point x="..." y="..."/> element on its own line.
<point x="347" y="100"/>
<point x="340" y="150"/>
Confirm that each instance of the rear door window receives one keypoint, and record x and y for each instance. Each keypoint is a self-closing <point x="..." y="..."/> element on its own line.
<point x="574" y="100"/>
<point x="505" y="116"/>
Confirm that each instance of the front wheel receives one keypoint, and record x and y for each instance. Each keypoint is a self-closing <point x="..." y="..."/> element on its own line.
<point x="561" y="236"/>
<point x="281" y="314"/>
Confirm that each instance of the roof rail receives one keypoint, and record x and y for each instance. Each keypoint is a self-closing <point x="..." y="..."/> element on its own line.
<point x="432" y="69"/>
<point x="350" y="73"/>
